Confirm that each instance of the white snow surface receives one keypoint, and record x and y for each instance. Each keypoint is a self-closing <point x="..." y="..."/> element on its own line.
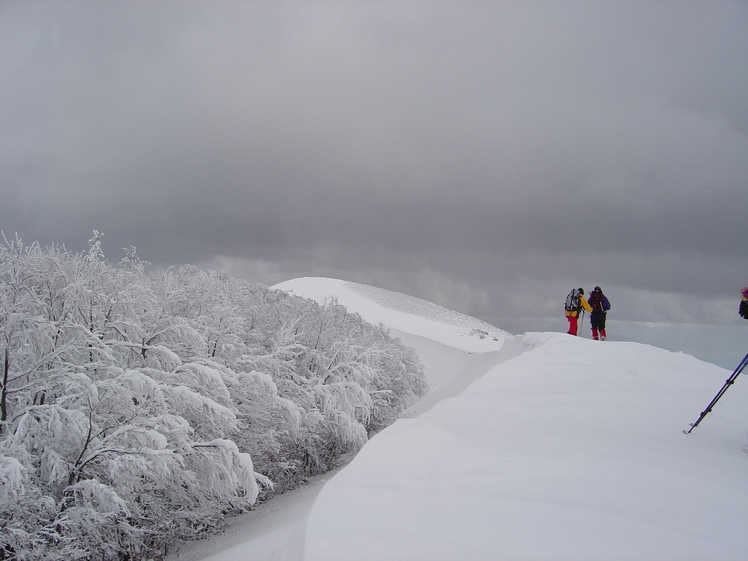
<point x="400" y="312"/>
<point x="540" y="446"/>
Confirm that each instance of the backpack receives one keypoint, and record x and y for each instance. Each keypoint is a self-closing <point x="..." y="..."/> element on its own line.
<point x="743" y="310"/>
<point x="599" y="302"/>
<point x="572" y="301"/>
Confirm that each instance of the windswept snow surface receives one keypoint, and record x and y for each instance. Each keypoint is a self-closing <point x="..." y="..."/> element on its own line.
<point x="401" y="313"/>
<point x="446" y="341"/>
<point x="540" y="446"/>
<point x="571" y="450"/>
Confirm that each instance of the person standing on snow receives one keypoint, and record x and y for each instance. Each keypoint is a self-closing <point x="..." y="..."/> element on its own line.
<point x="600" y="307"/>
<point x="743" y="310"/>
<point x="575" y="304"/>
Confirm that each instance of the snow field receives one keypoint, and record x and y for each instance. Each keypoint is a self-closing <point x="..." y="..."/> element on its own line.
<point x="573" y="450"/>
<point x="537" y="447"/>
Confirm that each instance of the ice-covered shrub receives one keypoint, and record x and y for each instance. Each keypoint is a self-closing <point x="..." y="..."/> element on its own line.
<point x="137" y="408"/>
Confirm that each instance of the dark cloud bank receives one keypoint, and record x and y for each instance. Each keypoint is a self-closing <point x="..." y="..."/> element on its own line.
<point x="484" y="155"/>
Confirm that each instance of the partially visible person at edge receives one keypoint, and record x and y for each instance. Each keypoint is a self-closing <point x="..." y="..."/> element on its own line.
<point x="600" y="307"/>
<point x="743" y="310"/>
<point x="573" y="315"/>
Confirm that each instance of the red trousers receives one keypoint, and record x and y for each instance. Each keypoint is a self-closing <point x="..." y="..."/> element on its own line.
<point x="573" y="324"/>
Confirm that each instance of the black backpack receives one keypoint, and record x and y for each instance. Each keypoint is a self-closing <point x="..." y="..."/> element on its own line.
<point x="743" y="310"/>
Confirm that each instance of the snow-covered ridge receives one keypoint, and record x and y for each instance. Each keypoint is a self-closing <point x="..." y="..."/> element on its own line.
<point x="400" y="302"/>
<point x="402" y="313"/>
<point x="539" y="446"/>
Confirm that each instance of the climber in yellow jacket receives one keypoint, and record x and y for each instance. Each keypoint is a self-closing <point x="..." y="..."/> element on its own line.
<point x="576" y="302"/>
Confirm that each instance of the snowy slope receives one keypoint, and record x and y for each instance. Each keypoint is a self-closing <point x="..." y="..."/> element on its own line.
<point x="402" y="313"/>
<point x="572" y="450"/>
<point x="535" y="447"/>
<point x="444" y="339"/>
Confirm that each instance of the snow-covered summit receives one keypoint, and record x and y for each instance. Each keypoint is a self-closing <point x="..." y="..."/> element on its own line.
<point x="401" y="312"/>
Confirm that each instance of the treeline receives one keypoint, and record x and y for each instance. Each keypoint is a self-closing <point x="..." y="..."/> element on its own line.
<point x="140" y="408"/>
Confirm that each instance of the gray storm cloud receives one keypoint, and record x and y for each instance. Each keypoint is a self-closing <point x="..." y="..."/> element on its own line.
<point x="475" y="143"/>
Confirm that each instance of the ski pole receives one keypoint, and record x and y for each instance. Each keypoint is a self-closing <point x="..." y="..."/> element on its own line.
<point x="730" y="381"/>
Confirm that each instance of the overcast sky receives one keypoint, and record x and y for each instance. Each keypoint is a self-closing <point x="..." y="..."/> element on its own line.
<point x="484" y="155"/>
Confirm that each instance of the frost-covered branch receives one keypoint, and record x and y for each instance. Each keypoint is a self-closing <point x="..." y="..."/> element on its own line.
<point x="141" y="408"/>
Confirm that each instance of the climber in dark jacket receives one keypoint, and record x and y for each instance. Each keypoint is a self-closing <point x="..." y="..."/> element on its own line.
<point x="600" y="306"/>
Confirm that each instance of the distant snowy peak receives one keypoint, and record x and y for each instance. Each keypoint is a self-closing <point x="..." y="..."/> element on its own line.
<point x="401" y="312"/>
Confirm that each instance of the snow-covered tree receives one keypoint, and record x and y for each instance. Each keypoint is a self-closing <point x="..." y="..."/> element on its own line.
<point x="137" y="408"/>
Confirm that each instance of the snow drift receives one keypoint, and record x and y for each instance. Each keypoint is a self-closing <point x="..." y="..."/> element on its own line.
<point x="572" y="449"/>
<point x="540" y="446"/>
